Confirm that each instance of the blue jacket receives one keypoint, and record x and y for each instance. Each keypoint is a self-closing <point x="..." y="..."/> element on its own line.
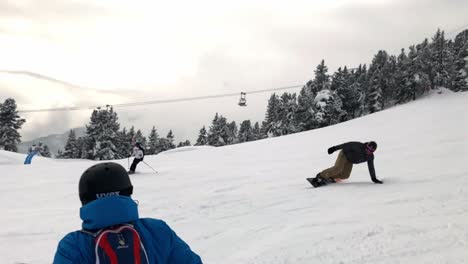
<point x="161" y="242"/>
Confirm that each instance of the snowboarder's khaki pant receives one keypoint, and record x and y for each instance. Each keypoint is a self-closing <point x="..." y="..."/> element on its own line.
<point x="341" y="170"/>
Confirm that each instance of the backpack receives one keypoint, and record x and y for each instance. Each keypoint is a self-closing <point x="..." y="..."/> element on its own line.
<point x="119" y="245"/>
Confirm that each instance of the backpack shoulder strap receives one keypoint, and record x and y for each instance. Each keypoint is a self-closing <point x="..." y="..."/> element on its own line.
<point x="120" y="244"/>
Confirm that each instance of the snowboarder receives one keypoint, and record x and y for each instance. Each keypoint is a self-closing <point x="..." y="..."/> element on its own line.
<point x="112" y="231"/>
<point x="139" y="154"/>
<point x="351" y="153"/>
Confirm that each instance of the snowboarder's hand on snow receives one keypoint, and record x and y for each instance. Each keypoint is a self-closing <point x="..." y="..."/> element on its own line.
<point x="331" y="150"/>
<point x="377" y="181"/>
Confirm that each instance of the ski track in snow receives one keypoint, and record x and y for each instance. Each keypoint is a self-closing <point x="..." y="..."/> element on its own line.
<point x="250" y="203"/>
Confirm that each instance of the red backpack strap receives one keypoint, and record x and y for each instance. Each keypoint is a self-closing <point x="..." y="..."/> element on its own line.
<point x="138" y="253"/>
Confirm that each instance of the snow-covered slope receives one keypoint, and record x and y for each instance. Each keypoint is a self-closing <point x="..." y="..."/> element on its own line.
<point x="250" y="203"/>
<point x="10" y="158"/>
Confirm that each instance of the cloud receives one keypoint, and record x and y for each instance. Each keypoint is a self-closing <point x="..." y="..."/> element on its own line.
<point x="43" y="77"/>
<point x="47" y="11"/>
<point x="158" y="50"/>
<point x="35" y="91"/>
<point x="48" y="20"/>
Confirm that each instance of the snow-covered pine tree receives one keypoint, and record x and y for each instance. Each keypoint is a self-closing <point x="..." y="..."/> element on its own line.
<point x="271" y="116"/>
<point x="381" y="72"/>
<point x="246" y="133"/>
<point x="213" y="131"/>
<point x="166" y="143"/>
<point x="287" y="121"/>
<point x="256" y="131"/>
<point x="337" y="80"/>
<point x="202" y="137"/>
<point x="362" y="88"/>
<point x="45" y="152"/>
<point x="304" y="112"/>
<point x="71" y="150"/>
<point x="419" y="80"/>
<point x="139" y="137"/>
<point x="217" y="135"/>
<point x="440" y="59"/>
<point x="374" y="101"/>
<point x="328" y="107"/>
<point x="185" y="143"/>
<point x="84" y="145"/>
<point x="123" y="143"/>
<point x="92" y="134"/>
<point x="232" y="131"/>
<point x="348" y="89"/>
<point x="108" y="141"/>
<point x="402" y="78"/>
<point x="388" y="74"/>
<point x="131" y="135"/>
<point x="10" y="123"/>
<point x="460" y="43"/>
<point x="281" y="115"/>
<point x="378" y="62"/>
<point x="422" y="63"/>
<point x="170" y="140"/>
<point x="263" y="130"/>
<point x="102" y="134"/>
<point x="459" y="73"/>
<point x="322" y="79"/>
<point x="153" y="142"/>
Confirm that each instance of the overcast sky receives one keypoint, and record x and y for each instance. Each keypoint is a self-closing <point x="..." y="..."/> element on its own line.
<point x="127" y="50"/>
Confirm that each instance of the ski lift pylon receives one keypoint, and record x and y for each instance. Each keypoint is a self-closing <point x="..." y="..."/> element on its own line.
<point x="243" y="100"/>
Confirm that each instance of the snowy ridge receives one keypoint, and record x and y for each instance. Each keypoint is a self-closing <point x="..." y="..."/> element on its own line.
<point x="10" y="158"/>
<point x="250" y="203"/>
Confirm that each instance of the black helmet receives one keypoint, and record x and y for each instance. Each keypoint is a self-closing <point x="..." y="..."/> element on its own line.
<point x="104" y="179"/>
<point x="372" y="145"/>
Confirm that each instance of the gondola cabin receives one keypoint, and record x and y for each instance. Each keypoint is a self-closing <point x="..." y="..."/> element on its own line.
<point x="243" y="100"/>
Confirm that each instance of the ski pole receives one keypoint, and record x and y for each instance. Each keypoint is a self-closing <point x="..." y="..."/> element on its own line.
<point x="149" y="166"/>
<point x="128" y="163"/>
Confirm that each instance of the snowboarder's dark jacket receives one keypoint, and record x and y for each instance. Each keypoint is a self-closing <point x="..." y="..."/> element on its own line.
<point x="356" y="153"/>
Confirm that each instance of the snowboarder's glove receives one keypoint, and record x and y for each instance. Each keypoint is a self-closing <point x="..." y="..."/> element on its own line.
<point x="331" y="150"/>
<point x="377" y="181"/>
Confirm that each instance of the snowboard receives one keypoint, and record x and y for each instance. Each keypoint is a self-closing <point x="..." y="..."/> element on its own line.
<point x="319" y="181"/>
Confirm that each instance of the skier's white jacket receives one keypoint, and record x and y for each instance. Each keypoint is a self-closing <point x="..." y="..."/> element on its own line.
<point x="138" y="153"/>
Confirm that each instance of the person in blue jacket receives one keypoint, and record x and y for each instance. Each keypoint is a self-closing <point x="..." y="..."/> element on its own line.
<point x="104" y="191"/>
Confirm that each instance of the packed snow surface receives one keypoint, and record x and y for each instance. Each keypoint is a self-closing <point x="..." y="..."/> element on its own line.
<point x="250" y="203"/>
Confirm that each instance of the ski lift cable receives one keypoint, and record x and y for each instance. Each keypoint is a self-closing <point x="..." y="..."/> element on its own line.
<point x="59" y="109"/>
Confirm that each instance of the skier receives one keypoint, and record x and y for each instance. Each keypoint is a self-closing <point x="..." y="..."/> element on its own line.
<point x="112" y="231"/>
<point x="139" y="154"/>
<point x="351" y="153"/>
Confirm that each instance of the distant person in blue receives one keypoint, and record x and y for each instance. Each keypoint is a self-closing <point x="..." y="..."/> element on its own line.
<point x="112" y="231"/>
<point x="33" y="151"/>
